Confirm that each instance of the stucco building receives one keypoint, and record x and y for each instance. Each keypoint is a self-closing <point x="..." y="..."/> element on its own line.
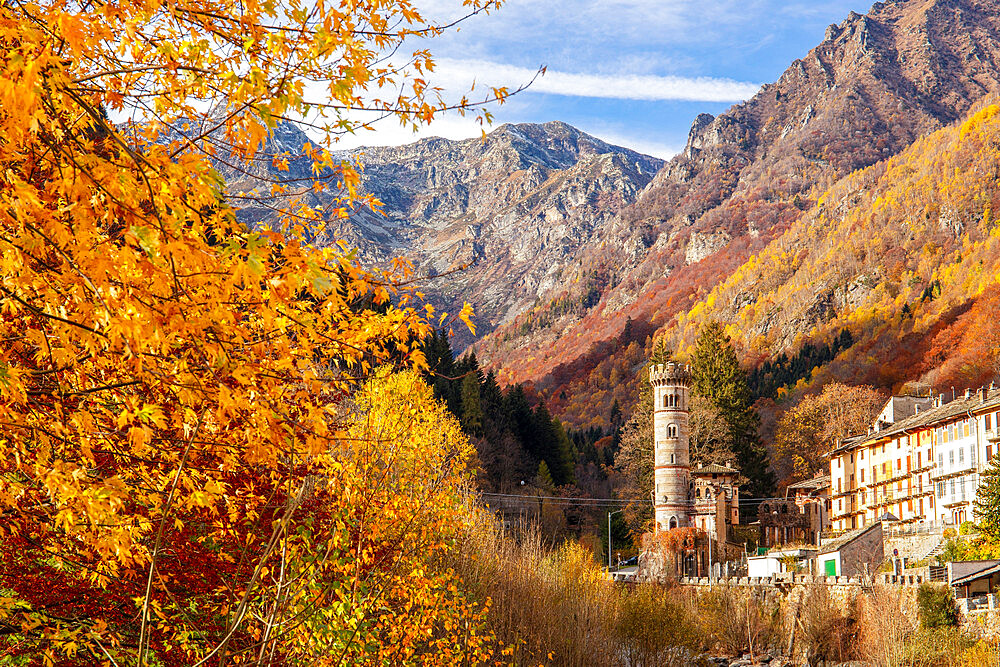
<point x="919" y="462"/>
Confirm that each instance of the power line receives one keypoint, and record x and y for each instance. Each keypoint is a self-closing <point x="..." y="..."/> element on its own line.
<point x="599" y="502"/>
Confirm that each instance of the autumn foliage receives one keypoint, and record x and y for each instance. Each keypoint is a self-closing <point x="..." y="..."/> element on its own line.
<point x="199" y="463"/>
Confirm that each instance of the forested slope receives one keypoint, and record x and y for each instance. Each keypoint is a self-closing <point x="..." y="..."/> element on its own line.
<point x="905" y="255"/>
<point x="875" y="84"/>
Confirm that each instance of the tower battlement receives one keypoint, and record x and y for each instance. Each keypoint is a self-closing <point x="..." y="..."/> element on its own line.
<point x="670" y="373"/>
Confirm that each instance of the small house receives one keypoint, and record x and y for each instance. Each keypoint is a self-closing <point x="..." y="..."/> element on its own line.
<point x="856" y="552"/>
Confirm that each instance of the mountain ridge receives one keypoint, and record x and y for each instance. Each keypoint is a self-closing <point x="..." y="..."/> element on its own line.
<point x="874" y="85"/>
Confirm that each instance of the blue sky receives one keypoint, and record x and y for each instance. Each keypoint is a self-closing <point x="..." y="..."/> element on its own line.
<point x="632" y="72"/>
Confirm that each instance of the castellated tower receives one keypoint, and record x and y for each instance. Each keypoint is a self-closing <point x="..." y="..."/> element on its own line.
<point x="671" y="486"/>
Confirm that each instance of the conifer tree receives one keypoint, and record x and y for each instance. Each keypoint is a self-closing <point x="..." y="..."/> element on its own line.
<point x="552" y="448"/>
<point x="719" y="378"/>
<point x="544" y="478"/>
<point x="472" y="411"/>
<point x="987" y="506"/>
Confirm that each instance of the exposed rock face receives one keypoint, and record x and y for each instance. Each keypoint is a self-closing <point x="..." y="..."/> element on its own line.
<point x="701" y="245"/>
<point x="515" y="209"/>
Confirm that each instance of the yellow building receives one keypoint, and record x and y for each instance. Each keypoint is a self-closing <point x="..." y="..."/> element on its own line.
<point x="919" y="462"/>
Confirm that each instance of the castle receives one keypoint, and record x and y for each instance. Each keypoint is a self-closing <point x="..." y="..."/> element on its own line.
<point x="707" y="497"/>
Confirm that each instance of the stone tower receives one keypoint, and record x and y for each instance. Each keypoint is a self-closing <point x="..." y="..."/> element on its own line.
<point x="672" y="467"/>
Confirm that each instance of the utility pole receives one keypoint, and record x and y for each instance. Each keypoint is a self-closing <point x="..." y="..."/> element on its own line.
<point x="609" y="537"/>
<point x="709" y="555"/>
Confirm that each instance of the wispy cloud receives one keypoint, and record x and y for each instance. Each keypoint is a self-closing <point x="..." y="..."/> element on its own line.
<point x="458" y="75"/>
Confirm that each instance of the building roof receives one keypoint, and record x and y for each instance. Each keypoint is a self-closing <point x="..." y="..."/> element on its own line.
<point x="969" y="571"/>
<point x="818" y="482"/>
<point x="716" y="469"/>
<point x="848" y="537"/>
<point x="975" y="403"/>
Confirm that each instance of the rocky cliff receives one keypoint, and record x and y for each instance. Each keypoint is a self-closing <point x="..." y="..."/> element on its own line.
<point x="496" y="221"/>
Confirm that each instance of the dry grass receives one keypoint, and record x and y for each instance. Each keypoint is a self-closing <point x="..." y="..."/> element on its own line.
<point x="553" y="605"/>
<point x="738" y="620"/>
<point x="826" y="633"/>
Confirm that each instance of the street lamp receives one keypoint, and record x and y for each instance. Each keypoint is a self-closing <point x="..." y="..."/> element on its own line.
<point x="609" y="537"/>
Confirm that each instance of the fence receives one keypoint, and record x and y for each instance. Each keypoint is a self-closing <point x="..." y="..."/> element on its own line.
<point x="781" y="579"/>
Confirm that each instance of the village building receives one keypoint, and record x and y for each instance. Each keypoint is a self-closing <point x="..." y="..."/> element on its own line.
<point x="785" y="522"/>
<point x="706" y="498"/>
<point x="796" y="560"/>
<point x="973" y="578"/>
<point x="919" y="462"/>
<point x="856" y="553"/>
<point x="716" y="500"/>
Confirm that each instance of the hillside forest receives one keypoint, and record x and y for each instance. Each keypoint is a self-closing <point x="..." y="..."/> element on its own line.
<point x="888" y="279"/>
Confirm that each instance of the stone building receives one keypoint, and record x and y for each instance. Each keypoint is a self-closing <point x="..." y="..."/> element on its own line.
<point x="858" y="552"/>
<point x="716" y="500"/>
<point x="705" y="499"/>
<point x="800" y="518"/>
<point x="671" y="464"/>
<point x="785" y="522"/>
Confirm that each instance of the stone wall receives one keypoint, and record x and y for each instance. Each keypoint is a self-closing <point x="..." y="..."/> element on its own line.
<point x="783" y="579"/>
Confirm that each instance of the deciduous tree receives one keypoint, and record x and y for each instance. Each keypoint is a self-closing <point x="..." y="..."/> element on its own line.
<point x="195" y="464"/>
<point x="812" y="428"/>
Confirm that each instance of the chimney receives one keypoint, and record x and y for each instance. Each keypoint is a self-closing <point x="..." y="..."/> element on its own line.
<point x="984" y="393"/>
<point x="968" y="394"/>
<point x="940" y="401"/>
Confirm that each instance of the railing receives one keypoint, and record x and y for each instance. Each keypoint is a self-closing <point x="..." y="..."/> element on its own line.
<point x="977" y="604"/>
<point x="916" y="528"/>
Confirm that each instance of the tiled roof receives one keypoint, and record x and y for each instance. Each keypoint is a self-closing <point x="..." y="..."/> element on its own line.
<point x="931" y="416"/>
<point x="818" y="482"/>
<point x="714" y="469"/>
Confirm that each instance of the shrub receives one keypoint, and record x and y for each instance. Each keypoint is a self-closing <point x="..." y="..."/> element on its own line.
<point x="826" y="633"/>
<point x="936" y="607"/>
<point x="967" y="528"/>
<point x="982" y="654"/>
<point x="949" y="533"/>
<point x="883" y="627"/>
<point x="657" y="626"/>
<point x="738" y="620"/>
<point x="936" y="647"/>
<point x="955" y="550"/>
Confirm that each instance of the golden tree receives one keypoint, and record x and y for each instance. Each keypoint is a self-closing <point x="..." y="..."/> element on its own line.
<point x="196" y="466"/>
<point x="808" y="431"/>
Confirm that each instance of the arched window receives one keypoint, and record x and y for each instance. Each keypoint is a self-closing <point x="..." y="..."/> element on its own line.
<point x="666" y="401"/>
<point x="672" y="431"/>
<point x="697" y="493"/>
<point x="673" y="522"/>
<point x="708" y="493"/>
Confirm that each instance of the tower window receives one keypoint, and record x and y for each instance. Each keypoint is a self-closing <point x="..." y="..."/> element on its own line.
<point x="672" y="431"/>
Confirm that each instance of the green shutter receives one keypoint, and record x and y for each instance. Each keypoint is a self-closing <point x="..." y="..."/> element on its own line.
<point x="830" y="568"/>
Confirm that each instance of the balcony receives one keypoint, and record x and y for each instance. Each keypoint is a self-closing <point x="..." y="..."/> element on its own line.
<point x="967" y="470"/>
